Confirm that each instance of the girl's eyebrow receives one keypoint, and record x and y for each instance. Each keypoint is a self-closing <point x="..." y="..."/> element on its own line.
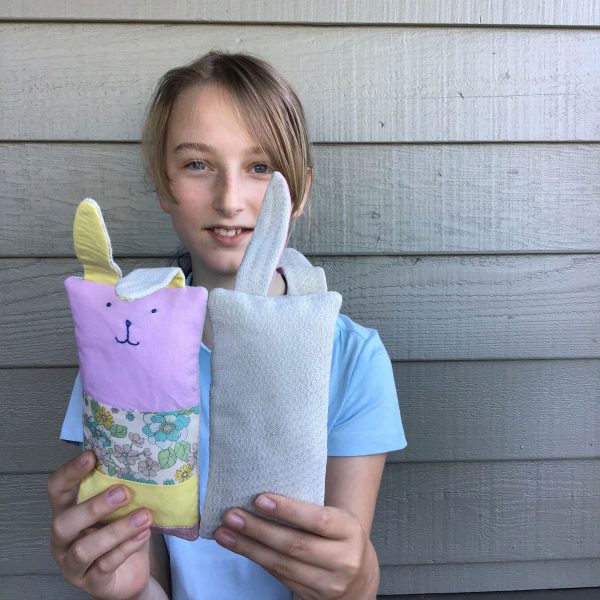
<point x="197" y="146"/>
<point x="200" y="147"/>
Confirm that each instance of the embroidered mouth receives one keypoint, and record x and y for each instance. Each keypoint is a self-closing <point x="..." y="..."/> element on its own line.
<point x="127" y="340"/>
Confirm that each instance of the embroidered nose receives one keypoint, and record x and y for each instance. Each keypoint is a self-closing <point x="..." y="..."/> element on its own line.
<point x="128" y="324"/>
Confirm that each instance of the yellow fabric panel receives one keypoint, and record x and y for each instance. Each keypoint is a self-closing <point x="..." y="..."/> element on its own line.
<point x="178" y="281"/>
<point x="92" y="244"/>
<point x="171" y="505"/>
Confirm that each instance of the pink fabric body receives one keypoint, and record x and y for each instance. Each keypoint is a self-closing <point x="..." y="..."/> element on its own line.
<point x="161" y="371"/>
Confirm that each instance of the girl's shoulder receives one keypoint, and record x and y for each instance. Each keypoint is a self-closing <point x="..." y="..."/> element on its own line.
<point x="358" y="359"/>
<point x="353" y="341"/>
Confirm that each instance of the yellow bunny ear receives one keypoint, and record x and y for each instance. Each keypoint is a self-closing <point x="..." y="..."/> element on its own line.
<point x="92" y="244"/>
<point x="178" y="280"/>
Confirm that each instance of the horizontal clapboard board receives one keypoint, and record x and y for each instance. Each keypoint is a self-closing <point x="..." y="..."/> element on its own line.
<point x="426" y="87"/>
<point x="383" y="12"/>
<point x="478" y="577"/>
<point x="431" y="308"/>
<point x="381" y="199"/>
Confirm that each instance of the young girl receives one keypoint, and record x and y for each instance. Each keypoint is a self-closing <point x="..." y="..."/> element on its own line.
<point x="216" y="130"/>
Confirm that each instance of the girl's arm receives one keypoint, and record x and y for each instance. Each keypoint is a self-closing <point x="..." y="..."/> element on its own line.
<point x="159" y="584"/>
<point x="325" y="552"/>
<point x="352" y="483"/>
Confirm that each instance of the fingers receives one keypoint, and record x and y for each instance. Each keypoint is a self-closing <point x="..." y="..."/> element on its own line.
<point x="297" y="544"/>
<point x="68" y="525"/>
<point x="281" y="566"/>
<point x="299" y="590"/>
<point x="115" y="558"/>
<point x="327" y="567"/>
<point x="106" y="568"/>
<point x="62" y="484"/>
<point x="109" y="546"/>
<point x="326" y="521"/>
<point x="93" y="556"/>
<point x="290" y="542"/>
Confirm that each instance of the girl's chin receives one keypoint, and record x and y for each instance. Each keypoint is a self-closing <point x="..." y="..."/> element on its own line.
<point x="218" y="269"/>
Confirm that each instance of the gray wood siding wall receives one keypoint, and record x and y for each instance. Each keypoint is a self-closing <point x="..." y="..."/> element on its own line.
<point x="456" y="208"/>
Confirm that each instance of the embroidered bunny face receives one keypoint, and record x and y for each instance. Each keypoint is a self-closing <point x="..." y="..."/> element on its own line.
<point x="139" y="335"/>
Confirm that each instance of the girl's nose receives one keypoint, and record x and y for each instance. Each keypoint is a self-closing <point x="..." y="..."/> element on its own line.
<point x="228" y="198"/>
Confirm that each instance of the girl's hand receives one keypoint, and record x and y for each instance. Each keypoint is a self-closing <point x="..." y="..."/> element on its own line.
<point x="324" y="553"/>
<point x="106" y="561"/>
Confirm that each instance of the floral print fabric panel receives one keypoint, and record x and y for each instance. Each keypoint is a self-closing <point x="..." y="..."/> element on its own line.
<point x="159" y="448"/>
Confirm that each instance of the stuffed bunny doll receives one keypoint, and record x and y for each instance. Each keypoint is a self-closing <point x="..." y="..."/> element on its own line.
<point x="138" y="339"/>
<point x="270" y="368"/>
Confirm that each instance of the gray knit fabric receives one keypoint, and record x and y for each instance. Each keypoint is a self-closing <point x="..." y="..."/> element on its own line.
<point x="269" y="237"/>
<point x="270" y="370"/>
<point x="301" y="277"/>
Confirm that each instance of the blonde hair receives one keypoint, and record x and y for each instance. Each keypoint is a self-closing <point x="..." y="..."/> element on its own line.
<point x="262" y="96"/>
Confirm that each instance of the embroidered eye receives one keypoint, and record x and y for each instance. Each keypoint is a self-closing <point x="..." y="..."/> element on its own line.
<point x="153" y="310"/>
<point x="108" y="304"/>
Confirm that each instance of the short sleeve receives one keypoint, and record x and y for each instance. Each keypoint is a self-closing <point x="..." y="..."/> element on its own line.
<point x="72" y="427"/>
<point x="364" y="410"/>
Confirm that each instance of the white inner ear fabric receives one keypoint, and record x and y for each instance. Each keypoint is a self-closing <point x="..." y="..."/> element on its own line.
<point x="143" y="282"/>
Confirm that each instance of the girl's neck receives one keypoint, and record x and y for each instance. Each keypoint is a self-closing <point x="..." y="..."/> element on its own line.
<point x="211" y="281"/>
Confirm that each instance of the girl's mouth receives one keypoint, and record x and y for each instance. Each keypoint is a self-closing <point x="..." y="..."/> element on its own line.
<point x="229" y="237"/>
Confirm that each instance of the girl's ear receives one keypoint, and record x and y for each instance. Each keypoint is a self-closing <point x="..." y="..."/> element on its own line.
<point x="300" y="210"/>
<point x="92" y="244"/>
<point x="165" y="204"/>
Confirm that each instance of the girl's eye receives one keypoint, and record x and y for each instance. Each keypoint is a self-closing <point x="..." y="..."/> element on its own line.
<point x="196" y="165"/>
<point x="261" y="168"/>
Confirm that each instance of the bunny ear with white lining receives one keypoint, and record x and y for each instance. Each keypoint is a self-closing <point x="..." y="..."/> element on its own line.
<point x="92" y="244"/>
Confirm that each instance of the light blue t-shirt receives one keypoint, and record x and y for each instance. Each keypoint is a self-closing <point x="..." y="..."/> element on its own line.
<point x="364" y="418"/>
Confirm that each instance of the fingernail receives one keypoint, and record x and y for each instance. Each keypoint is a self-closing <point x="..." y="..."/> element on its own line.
<point x="82" y="459"/>
<point x="265" y="503"/>
<point x="139" y="518"/>
<point x="234" y="521"/>
<point x="226" y="539"/>
<point x="117" y="495"/>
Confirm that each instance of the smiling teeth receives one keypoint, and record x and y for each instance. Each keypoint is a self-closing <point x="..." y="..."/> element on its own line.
<point x="227" y="232"/>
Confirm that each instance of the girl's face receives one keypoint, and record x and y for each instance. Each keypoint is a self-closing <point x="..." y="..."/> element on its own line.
<point x="218" y="176"/>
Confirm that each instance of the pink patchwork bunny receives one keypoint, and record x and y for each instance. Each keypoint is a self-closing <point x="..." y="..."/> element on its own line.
<point x="138" y="339"/>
